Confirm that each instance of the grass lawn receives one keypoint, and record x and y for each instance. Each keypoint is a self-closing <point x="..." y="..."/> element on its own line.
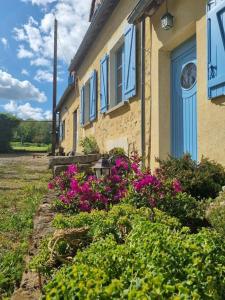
<point x="23" y="182"/>
<point x="30" y="147"/>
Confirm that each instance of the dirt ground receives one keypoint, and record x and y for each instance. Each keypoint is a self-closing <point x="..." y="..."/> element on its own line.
<point x="38" y="161"/>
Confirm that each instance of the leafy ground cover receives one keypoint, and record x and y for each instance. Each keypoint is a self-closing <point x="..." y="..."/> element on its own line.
<point x="23" y="181"/>
<point x="29" y="147"/>
<point x="151" y="235"/>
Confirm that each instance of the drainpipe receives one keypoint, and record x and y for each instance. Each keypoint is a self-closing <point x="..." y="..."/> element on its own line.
<point x="143" y="154"/>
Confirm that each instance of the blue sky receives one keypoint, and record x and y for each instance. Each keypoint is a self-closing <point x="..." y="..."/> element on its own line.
<point x="26" y="50"/>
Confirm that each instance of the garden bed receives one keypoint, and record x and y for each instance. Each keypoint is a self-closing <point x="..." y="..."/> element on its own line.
<point x="136" y="234"/>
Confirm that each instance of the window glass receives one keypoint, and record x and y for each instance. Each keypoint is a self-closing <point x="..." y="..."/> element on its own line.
<point x="87" y="102"/>
<point x="119" y="74"/>
<point x="188" y="76"/>
<point x="63" y="129"/>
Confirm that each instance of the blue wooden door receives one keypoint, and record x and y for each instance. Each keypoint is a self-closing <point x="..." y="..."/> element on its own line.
<point x="184" y="100"/>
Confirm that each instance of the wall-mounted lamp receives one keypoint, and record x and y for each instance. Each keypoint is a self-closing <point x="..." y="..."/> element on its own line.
<point x="167" y="19"/>
<point x="102" y="167"/>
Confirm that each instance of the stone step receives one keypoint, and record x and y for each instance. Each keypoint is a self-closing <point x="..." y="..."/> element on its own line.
<point x="68" y="160"/>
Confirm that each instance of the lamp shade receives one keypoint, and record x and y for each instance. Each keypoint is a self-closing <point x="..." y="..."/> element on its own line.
<point x="167" y="21"/>
<point x="102" y="167"/>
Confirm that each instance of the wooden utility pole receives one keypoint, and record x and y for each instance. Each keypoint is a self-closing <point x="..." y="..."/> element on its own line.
<point x="54" y="89"/>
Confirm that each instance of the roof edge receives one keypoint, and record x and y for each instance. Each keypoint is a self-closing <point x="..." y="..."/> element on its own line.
<point x="142" y="9"/>
<point x="64" y="97"/>
<point x="98" y="21"/>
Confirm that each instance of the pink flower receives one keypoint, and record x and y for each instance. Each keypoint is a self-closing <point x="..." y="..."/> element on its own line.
<point x="71" y="194"/>
<point x="72" y="169"/>
<point x="51" y="186"/>
<point x="146" y="180"/>
<point x="113" y="170"/>
<point x="64" y="199"/>
<point x="91" y="178"/>
<point x="85" y="188"/>
<point x="121" y="163"/>
<point x="74" y="185"/>
<point x="84" y="206"/>
<point x="116" y="178"/>
<point x="108" y="189"/>
<point x="135" y="168"/>
<point x="176" y="185"/>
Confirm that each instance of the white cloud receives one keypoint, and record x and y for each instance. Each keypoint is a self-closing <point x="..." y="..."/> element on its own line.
<point x="26" y="111"/>
<point x="24" y="72"/>
<point x="4" y="42"/>
<point x="46" y="76"/>
<point x="23" y="53"/>
<point x="40" y="61"/>
<point x="43" y="75"/>
<point x="72" y="16"/>
<point x="39" y="2"/>
<point x="14" y="89"/>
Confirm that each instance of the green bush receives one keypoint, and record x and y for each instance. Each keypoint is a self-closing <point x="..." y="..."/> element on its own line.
<point x="118" y="222"/>
<point x="187" y="209"/>
<point x="117" y="151"/>
<point x="201" y="180"/>
<point x="7" y="125"/>
<point x="89" y="145"/>
<point x="215" y="213"/>
<point x="155" y="262"/>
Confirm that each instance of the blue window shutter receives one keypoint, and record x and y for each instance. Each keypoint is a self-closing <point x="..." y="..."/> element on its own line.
<point x="216" y="50"/>
<point x="82" y="106"/>
<point x="130" y="62"/>
<point x="93" y="96"/>
<point x="104" y="63"/>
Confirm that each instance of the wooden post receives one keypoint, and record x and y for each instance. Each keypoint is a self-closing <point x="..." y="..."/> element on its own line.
<point x="54" y="89"/>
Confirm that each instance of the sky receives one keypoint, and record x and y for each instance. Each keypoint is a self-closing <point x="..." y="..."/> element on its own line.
<point x="26" y="52"/>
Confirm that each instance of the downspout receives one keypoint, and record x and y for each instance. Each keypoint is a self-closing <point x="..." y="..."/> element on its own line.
<point x="150" y="98"/>
<point x="143" y="152"/>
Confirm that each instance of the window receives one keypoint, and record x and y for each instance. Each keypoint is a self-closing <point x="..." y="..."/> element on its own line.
<point x="188" y="76"/>
<point x="62" y="130"/>
<point x="122" y="70"/>
<point x="87" y="102"/>
<point x="119" y="74"/>
<point x="116" y="74"/>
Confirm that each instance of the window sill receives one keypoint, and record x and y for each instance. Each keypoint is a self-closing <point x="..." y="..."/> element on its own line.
<point x="118" y="106"/>
<point x="87" y="124"/>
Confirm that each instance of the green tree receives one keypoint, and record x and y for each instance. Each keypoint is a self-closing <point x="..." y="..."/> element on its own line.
<point x="7" y="125"/>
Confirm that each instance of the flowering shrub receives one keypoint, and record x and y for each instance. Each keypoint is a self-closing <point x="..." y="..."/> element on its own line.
<point x="201" y="180"/>
<point x="83" y="193"/>
<point x="86" y="193"/>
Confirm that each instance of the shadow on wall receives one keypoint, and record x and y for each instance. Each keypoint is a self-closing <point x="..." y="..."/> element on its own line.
<point x="218" y="101"/>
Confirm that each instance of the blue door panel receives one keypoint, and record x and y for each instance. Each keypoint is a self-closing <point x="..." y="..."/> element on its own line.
<point x="184" y="100"/>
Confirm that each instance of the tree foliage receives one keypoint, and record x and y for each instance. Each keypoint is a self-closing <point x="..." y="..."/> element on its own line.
<point x="7" y="125"/>
<point x="33" y="132"/>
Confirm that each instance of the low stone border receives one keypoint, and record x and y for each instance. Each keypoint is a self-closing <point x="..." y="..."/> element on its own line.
<point x="30" y="283"/>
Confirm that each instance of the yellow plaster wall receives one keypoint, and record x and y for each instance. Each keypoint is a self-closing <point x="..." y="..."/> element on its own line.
<point x="67" y="114"/>
<point x="121" y="127"/>
<point x="190" y="19"/>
